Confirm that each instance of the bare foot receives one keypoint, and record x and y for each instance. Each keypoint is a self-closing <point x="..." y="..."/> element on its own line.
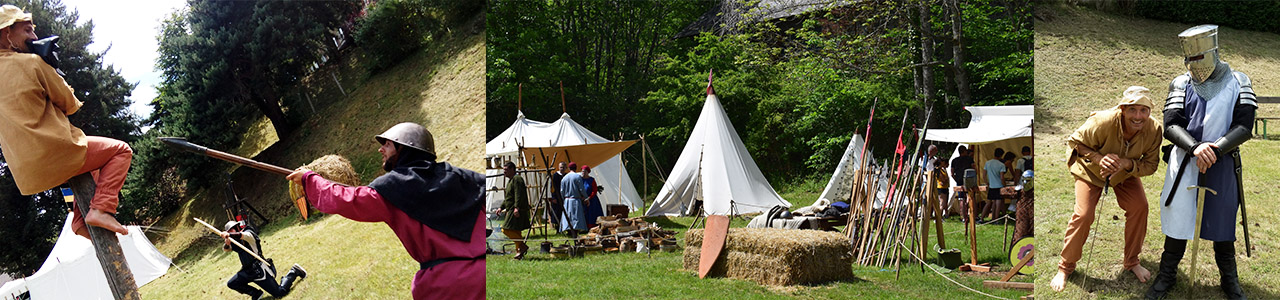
<point x="1059" y="281"/>
<point x="1141" y="272"/>
<point x="106" y="221"/>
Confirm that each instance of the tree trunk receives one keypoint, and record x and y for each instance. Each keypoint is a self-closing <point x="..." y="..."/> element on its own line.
<point x="958" y="55"/>
<point x="268" y="102"/>
<point x="926" y="55"/>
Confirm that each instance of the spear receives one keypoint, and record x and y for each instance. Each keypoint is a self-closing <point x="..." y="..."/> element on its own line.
<point x="182" y="144"/>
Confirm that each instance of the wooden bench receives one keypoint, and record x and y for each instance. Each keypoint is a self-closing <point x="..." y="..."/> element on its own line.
<point x="1264" y="120"/>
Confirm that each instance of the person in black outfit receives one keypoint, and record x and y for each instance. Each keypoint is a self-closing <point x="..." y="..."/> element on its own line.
<point x="958" y="165"/>
<point x="253" y="270"/>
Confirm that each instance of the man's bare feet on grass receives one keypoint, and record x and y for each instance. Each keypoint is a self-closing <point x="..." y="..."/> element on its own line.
<point x="1142" y="273"/>
<point x="106" y="221"/>
<point x="1059" y="281"/>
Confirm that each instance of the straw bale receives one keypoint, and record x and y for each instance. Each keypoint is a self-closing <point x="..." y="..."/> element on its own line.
<point x="335" y="168"/>
<point x="771" y="256"/>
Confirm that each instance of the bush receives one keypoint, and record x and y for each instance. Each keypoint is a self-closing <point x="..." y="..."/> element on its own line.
<point x="395" y="29"/>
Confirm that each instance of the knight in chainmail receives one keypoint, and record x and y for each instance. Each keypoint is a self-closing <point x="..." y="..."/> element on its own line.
<point x="1209" y="113"/>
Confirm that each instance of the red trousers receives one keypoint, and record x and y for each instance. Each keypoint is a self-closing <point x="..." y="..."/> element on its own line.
<point x="1131" y="198"/>
<point x="109" y="161"/>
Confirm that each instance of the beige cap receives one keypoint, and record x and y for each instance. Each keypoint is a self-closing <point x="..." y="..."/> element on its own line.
<point x="1136" y="95"/>
<point x="10" y="14"/>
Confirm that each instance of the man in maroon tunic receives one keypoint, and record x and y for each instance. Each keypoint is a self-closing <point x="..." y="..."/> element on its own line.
<point x="433" y="207"/>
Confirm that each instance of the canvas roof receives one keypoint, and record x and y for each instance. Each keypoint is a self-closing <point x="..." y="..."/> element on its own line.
<point x="561" y="133"/>
<point x="715" y="167"/>
<point x="72" y="270"/>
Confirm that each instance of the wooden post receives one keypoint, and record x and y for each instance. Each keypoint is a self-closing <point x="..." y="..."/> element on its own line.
<point x="105" y="244"/>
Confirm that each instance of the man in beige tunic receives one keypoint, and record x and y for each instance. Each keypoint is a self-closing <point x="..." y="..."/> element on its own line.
<point x="40" y="145"/>
<point x="1114" y="147"/>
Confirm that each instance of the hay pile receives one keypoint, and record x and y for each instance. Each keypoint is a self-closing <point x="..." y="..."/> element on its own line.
<point x="335" y="168"/>
<point x="771" y="256"/>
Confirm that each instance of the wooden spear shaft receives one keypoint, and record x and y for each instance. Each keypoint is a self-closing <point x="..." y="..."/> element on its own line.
<point x="181" y="143"/>
<point x="246" y="249"/>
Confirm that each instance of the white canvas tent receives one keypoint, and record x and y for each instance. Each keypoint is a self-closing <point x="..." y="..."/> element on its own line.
<point x="72" y="270"/>
<point x="990" y="127"/>
<point x="841" y="184"/>
<point x="562" y="132"/>
<point x="716" y="168"/>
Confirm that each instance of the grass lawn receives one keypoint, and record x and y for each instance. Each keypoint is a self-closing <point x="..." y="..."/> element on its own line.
<point x="661" y="275"/>
<point x="1083" y="63"/>
<point x="441" y="87"/>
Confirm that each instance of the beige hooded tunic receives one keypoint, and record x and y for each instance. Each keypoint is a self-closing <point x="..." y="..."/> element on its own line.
<point x="1103" y="132"/>
<point x="40" y="145"/>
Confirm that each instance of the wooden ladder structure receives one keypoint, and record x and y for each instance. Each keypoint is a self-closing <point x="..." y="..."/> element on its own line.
<point x="105" y="244"/>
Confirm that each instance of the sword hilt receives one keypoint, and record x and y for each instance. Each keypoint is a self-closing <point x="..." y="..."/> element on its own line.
<point x="1203" y="189"/>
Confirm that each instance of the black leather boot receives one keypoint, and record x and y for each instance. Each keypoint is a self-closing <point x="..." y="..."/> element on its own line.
<point x="1167" y="275"/>
<point x="1224" y="253"/>
<point x="296" y="271"/>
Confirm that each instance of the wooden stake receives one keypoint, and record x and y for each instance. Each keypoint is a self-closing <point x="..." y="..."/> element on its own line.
<point x="105" y="244"/>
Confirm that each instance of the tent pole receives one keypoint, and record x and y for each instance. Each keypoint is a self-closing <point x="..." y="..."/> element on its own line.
<point x="644" y="166"/>
<point x="105" y="244"/>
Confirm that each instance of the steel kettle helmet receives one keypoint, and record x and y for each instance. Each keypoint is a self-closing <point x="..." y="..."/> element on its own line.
<point x="411" y="135"/>
<point x="233" y="224"/>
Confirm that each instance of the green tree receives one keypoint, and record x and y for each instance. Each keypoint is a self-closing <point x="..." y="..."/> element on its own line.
<point x="225" y="62"/>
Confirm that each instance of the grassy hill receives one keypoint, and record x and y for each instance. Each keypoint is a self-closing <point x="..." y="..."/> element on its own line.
<point x="441" y="87"/>
<point x="1084" y="60"/>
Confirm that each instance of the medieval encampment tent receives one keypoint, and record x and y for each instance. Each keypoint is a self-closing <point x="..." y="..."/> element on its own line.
<point x="561" y="133"/>
<point x="1007" y="127"/>
<point x="72" y="270"/>
<point x="714" y="167"/>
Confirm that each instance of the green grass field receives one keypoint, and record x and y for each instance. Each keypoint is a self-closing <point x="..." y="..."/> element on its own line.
<point x="661" y="275"/>
<point x="1084" y="60"/>
<point x="442" y="88"/>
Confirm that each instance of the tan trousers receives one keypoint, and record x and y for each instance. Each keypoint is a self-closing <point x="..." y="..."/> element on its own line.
<point x="517" y="239"/>
<point x="109" y="161"/>
<point x="1131" y="198"/>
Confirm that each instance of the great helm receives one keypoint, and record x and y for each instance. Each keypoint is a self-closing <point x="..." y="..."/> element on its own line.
<point x="411" y="135"/>
<point x="1200" y="50"/>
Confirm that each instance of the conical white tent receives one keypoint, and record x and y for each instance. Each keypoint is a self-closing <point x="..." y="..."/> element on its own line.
<point x="562" y="132"/>
<point x="72" y="270"/>
<point x="716" y="168"/>
<point x="841" y="185"/>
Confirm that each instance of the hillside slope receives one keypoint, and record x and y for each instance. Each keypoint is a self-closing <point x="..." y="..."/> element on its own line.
<point x="1084" y="60"/>
<point x="441" y="88"/>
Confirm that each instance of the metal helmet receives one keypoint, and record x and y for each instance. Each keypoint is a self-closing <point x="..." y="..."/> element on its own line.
<point x="232" y="224"/>
<point x="410" y="134"/>
<point x="1200" y="50"/>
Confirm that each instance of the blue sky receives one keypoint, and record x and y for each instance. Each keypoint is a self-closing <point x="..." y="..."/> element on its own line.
<point x="130" y="29"/>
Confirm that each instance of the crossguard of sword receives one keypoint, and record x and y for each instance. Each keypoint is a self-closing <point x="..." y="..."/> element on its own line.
<point x="1211" y="191"/>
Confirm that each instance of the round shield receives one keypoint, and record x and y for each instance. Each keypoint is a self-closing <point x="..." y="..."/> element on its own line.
<point x="1021" y="249"/>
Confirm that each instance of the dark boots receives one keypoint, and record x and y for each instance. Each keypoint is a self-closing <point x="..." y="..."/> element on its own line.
<point x="1167" y="275"/>
<point x="1224" y="253"/>
<point x="294" y="272"/>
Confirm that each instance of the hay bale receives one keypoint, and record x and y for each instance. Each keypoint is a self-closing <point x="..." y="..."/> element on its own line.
<point x="335" y="168"/>
<point x="771" y="256"/>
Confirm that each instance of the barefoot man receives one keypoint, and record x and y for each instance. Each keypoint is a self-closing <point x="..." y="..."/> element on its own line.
<point x="1114" y="147"/>
<point x="40" y="145"/>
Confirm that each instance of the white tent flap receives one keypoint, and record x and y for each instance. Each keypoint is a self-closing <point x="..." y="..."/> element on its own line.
<point x="716" y="168"/>
<point x="72" y="270"/>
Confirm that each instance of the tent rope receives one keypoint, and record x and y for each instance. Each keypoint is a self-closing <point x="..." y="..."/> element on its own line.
<point x="913" y="254"/>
